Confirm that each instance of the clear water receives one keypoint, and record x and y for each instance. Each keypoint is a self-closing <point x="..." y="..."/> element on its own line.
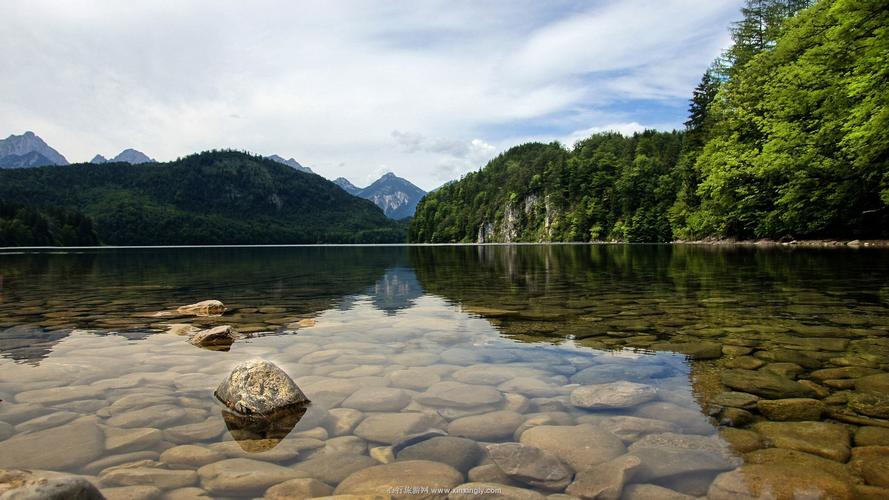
<point x="93" y="382"/>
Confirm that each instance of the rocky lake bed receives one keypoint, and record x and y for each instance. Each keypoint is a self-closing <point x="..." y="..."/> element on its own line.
<point x="607" y="373"/>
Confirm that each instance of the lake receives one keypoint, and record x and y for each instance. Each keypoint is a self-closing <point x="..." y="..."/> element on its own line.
<point x="625" y="371"/>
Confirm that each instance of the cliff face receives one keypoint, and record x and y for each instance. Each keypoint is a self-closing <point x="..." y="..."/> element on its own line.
<point x="531" y="219"/>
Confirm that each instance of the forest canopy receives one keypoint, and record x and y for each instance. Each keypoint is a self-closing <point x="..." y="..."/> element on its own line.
<point x="787" y="137"/>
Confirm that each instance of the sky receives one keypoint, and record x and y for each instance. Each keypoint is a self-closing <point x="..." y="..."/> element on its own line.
<point x="429" y="90"/>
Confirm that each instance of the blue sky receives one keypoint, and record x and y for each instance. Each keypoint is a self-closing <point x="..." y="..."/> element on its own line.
<point x="429" y="89"/>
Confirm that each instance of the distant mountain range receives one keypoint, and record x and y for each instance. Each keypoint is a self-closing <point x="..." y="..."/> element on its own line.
<point x="220" y="197"/>
<point x="28" y="150"/>
<point x="290" y="163"/>
<point x="397" y="197"/>
<point x="126" y="156"/>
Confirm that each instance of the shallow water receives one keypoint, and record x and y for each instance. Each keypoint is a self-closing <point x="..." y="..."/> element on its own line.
<point x="761" y="370"/>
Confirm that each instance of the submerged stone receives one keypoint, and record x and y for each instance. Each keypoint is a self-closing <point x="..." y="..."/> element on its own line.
<point x="778" y="482"/>
<point x="614" y="395"/>
<point x="765" y="384"/>
<point x="27" y="485"/>
<point x="530" y="465"/>
<point x="220" y="336"/>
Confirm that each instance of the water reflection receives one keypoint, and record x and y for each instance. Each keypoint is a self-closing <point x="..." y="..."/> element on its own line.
<point x="746" y="355"/>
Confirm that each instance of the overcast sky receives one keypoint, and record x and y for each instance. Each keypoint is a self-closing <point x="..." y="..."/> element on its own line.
<point x="428" y="90"/>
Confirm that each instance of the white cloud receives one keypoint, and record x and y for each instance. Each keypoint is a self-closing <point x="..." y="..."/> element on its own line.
<point x="328" y="82"/>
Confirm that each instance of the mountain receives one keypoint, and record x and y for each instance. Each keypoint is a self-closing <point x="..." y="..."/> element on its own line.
<point x="346" y="185"/>
<point x="16" y="147"/>
<point x="291" y="163"/>
<point x="220" y="197"/>
<point x="397" y="197"/>
<point x="30" y="159"/>
<point x="99" y="159"/>
<point x="132" y="157"/>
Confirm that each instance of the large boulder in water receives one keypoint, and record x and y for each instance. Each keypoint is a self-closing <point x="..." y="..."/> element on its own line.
<point x="259" y="387"/>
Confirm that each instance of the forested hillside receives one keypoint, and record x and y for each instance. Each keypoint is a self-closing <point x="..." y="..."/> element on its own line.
<point x="223" y="197"/>
<point x="787" y="137"/>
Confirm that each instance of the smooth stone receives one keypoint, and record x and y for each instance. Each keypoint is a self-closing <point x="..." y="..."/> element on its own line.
<point x="390" y="428"/>
<point x="819" y="438"/>
<point x="544" y="418"/>
<point x="606" y="480"/>
<point x="791" y="409"/>
<point x="788" y="370"/>
<point x="777" y="482"/>
<point x="344" y="444"/>
<point x="741" y="440"/>
<point x="735" y="417"/>
<point x="490" y="473"/>
<point x="164" y="479"/>
<point x="459" y="395"/>
<point x="779" y="456"/>
<point x="333" y="468"/>
<point x="652" y="492"/>
<point x="871" y="463"/>
<point x="870" y="404"/>
<point x="875" y="384"/>
<point x="214" y="337"/>
<point x="17" y="484"/>
<point x="745" y="363"/>
<point x="530" y="465"/>
<point x="688" y="420"/>
<point x="699" y="350"/>
<point x="491" y="491"/>
<point x="185" y="494"/>
<point x="492" y="374"/>
<point x="114" y="460"/>
<point x="578" y="446"/>
<point x="136" y="401"/>
<point x="669" y="456"/>
<point x="62" y="394"/>
<point x="259" y="386"/>
<point x="382" y="454"/>
<point x="242" y="476"/>
<point x="614" y="395"/>
<point x="789" y="356"/>
<point x="843" y="372"/>
<point x="342" y="421"/>
<point x="613" y="372"/>
<point x="460" y="453"/>
<point x="531" y="387"/>
<point x="158" y="416"/>
<point x="764" y="383"/>
<point x="494" y="426"/>
<point x="203" y="308"/>
<point x="417" y="438"/>
<point x="384" y="479"/>
<point x="872" y="436"/>
<point x="132" y="493"/>
<point x="190" y="455"/>
<point x="54" y="419"/>
<point x="631" y="429"/>
<point x="298" y="489"/>
<point x="6" y="431"/>
<point x="413" y="378"/>
<point x="377" y="399"/>
<point x="180" y="329"/>
<point x="209" y="429"/>
<point x="59" y="448"/>
<point x="133" y="439"/>
<point x="734" y="399"/>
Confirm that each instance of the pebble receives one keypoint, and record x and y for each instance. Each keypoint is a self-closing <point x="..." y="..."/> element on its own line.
<point x="242" y="476"/>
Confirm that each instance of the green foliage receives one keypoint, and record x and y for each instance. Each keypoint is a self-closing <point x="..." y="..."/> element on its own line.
<point x="220" y="197"/>
<point x="607" y="187"/>
<point x="801" y="144"/>
<point x="788" y="136"/>
<point x="24" y="226"/>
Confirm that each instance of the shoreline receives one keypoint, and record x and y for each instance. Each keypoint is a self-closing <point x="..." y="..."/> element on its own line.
<point x="706" y="242"/>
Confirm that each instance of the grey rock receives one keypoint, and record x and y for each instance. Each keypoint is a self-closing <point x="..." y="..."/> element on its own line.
<point x="259" y="386"/>
<point x="456" y="394"/>
<point x="614" y="395"/>
<point x="333" y="468"/>
<point x="604" y="481"/>
<point x="460" y="453"/>
<point x="493" y="426"/>
<point x="530" y="465"/>
<point x="18" y="484"/>
<point x="578" y="446"/>
<point x="377" y="399"/>
<point x="242" y="476"/>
